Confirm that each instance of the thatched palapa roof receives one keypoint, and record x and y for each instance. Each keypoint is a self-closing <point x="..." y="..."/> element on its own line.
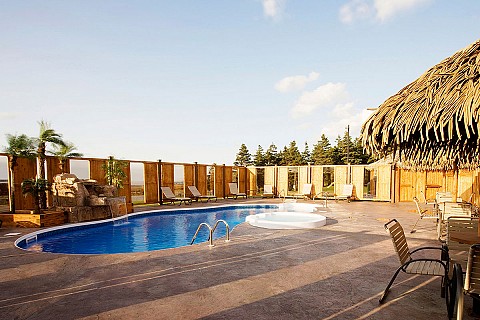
<point x="434" y="122"/>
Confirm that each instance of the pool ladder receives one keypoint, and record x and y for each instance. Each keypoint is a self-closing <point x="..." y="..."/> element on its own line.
<point x="211" y="231"/>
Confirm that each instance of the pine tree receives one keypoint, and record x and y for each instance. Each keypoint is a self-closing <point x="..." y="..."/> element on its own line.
<point x="259" y="159"/>
<point x="244" y="158"/>
<point x="291" y="155"/>
<point x="322" y="153"/>
<point x="271" y="156"/>
<point x="306" y="156"/>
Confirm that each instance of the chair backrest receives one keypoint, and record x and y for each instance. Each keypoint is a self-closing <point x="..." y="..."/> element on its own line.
<point x="460" y="225"/>
<point x="194" y="191"/>
<point x="472" y="275"/>
<point x="399" y="241"/>
<point x="233" y="187"/>
<point x="268" y="189"/>
<point x="167" y="192"/>
<point x="347" y="190"/>
<point x="307" y="189"/>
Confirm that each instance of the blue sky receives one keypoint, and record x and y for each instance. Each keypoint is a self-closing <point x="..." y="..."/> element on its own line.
<point x="187" y="81"/>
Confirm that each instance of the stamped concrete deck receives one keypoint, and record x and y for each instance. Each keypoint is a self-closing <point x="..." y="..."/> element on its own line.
<point x="334" y="272"/>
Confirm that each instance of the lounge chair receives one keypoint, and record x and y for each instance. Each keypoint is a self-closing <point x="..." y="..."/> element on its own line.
<point x="472" y="280"/>
<point x="198" y="196"/>
<point x="347" y="193"/>
<point x="268" y="191"/>
<point x="458" y="250"/>
<point x="170" y="197"/>
<point x="234" y="191"/>
<point x="422" y="266"/>
<point x="306" y="192"/>
<point x="424" y="213"/>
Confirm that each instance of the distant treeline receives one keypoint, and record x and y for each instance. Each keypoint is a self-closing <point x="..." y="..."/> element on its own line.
<point x="323" y="153"/>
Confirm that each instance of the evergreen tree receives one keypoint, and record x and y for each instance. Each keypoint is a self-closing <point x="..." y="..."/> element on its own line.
<point x="306" y="156"/>
<point x="259" y="159"/>
<point x="291" y="155"/>
<point x="271" y="156"/>
<point x="345" y="147"/>
<point x="322" y="152"/>
<point x="244" y="158"/>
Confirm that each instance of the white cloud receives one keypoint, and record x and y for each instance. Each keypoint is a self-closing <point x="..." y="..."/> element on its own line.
<point x="326" y="96"/>
<point x="273" y="8"/>
<point x="381" y="10"/>
<point x="355" y="10"/>
<point x="295" y="83"/>
<point x="386" y="9"/>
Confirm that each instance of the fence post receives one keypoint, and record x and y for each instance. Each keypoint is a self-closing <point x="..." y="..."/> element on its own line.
<point x="159" y="170"/>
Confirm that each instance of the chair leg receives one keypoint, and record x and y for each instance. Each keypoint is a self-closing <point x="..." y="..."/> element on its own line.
<point x="413" y="228"/>
<point x="385" y="293"/>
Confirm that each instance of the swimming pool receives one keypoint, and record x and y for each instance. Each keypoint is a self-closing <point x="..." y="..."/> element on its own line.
<point x="143" y="232"/>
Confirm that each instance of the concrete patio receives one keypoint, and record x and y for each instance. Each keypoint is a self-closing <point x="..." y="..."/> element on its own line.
<point x="334" y="272"/>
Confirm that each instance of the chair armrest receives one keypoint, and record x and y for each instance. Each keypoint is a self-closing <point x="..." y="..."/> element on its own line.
<point x="444" y="255"/>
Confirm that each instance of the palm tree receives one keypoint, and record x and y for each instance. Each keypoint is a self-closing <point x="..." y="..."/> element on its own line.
<point x="35" y="187"/>
<point x="65" y="151"/>
<point x="49" y="135"/>
<point x="18" y="146"/>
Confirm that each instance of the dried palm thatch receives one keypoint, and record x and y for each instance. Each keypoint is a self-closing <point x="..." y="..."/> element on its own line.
<point x="434" y="122"/>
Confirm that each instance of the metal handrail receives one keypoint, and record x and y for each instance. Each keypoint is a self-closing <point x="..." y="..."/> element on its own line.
<point x="210" y="237"/>
<point x="284" y="195"/>
<point x="322" y="194"/>
<point x="226" y="225"/>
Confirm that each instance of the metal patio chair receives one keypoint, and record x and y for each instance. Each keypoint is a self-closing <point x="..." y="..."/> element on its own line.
<point x="422" y="266"/>
<point x="424" y="213"/>
<point x="471" y="286"/>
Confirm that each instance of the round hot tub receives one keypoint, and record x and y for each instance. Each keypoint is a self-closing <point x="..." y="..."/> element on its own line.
<point x="287" y="220"/>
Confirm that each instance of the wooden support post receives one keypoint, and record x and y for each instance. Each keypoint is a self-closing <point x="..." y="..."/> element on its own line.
<point x="160" y="181"/>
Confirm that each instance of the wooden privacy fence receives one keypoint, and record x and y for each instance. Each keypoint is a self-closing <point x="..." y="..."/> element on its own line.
<point x="372" y="182"/>
<point x="155" y="175"/>
<point x="381" y="182"/>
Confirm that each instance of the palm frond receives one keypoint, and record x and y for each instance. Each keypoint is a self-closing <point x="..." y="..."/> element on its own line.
<point x="435" y="120"/>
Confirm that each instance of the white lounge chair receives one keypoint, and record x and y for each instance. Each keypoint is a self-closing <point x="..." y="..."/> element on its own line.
<point x="198" y="196"/>
<point x="268" y="191"/>
<point x="170" y="197"/>
<point x="234" y="191"/>
<point x="347" y="193"/>
<point x="306" y="192"/>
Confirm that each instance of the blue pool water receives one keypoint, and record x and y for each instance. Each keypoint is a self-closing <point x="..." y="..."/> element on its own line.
<point x="143" y="232"/>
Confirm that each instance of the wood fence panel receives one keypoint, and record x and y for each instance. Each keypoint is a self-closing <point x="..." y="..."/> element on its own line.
<point x="202" y="179"/>
<point x="242" y="183"/>
<point x="407" y="180"/>
<point x="282" y="183"/>
<point x="449" y="183"/>
<point x="465" y="184"/>
<point x="228" y="177"/>
<point x="303" y="176"/>
<point x="341" y="173"/>
<point x="96" y="171"/>
<point x="126" y="191"/>
<point x="384" y="180"/>
<point x="53" y="168"/>
<point x="150" y="177"/>
<point x="252" y="186"/>
<point x="25" y="169"/>
<point x="219" y="187"/>
<point x="188" y="177"/>
<point x="168" y="175"/>
<point x="434" y="178"/>
<point x="317" y="179"/>
<point x="357" y="181"/>
<point x="269" y="178"/>
<point x="269" y="175"/>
